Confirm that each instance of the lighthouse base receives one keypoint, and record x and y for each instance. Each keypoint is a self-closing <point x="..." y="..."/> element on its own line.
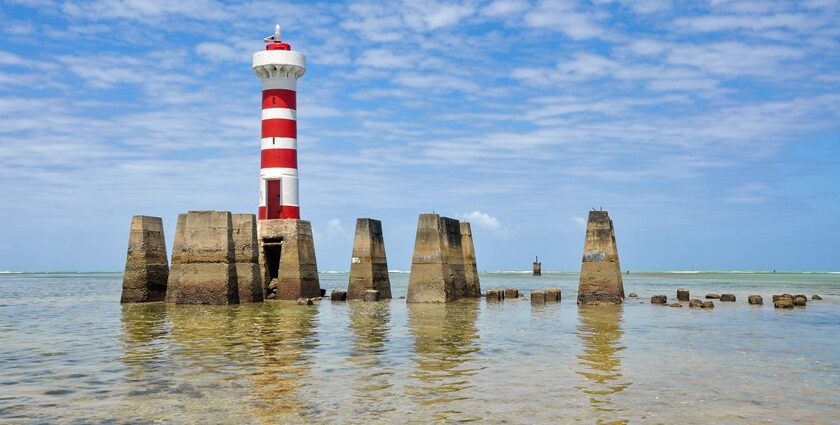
<point x="287" y="259"/>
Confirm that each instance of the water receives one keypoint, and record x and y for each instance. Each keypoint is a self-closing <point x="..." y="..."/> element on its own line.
<point x="70" y="353"/>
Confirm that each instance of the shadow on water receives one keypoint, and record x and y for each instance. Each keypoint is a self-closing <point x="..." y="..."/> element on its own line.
<point x="445" y="343"/>
<point x="599" y="329"/>
<point x="369" y="324"/>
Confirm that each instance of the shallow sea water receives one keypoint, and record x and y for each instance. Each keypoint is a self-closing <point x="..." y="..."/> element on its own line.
<point x="70" y="353"/>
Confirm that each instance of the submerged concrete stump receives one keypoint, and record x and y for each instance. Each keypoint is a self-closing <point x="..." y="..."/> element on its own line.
<point x="246" y="257"/>
<point x="600" y="273"/>
<point x="682" y="294"/>
<point x="495" y="295"/>
<point x="470" y="266"/>
<point x="552" y="295"/>
<point x="369" y="267"/>
<point x="287" y="253"/>
<point x="203" y="263"/>
<point x="537" y="267"/>
<point x="146" y="265"/>
<point x="511" y="293"/>
<point x="537" y="297"/>
<point x="337" y="295"/>
<point x="437" y="266"/>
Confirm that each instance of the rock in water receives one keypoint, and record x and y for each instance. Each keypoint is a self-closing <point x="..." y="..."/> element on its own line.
<point x="323" y="292"/>
<point x="727" y="297"/>
<point x="755" y="300"/>
<point x="659" y="299"/>
<point x="552" y="295"/>
<point x="695" y="304"/>
<point x="632" y="295"/>
<point x="676" y="305"/>
<point x="337" y="295"/>
<point x="305" y="301"/>
<point x="712" y="296"/>
<point x="708" y="304"/>
<point x="816" y="297"/>
<point x="494" y="295"/>
<point x="800" y="300"/>
<point x="511" y="293"/>
<point x="682" y="294"/>
<point x="783" y="303"/>
<point x="778" y="297"/>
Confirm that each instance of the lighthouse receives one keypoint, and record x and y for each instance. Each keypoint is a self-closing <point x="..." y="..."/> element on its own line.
<point x="286" y="248"/>
<point x="279" y="67"/>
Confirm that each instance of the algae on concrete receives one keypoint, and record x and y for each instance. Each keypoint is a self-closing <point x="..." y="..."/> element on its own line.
<point x="146" y="265"/>
<point x="369" y="265"/>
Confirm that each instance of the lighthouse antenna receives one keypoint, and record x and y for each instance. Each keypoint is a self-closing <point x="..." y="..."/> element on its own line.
<point x="275" y="37"/>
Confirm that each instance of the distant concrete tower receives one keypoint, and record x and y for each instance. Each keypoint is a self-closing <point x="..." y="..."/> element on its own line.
<point x="279" y="68"/>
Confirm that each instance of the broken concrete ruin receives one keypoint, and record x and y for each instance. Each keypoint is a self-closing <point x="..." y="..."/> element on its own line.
<point x="287" y="253"/>
<point x="470" y="266"/>
<point x="146" y="265"/>
<point x="246" y="258"/>
<point x="437" y="267"/>
<point x="600" y="274"/>
<point x="203" y="262"/>
<point x="537" y="267"/>
<point x="369" y="266"/>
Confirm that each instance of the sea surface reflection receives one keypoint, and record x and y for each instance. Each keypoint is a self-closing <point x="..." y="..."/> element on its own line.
<point x="599" y="329"/>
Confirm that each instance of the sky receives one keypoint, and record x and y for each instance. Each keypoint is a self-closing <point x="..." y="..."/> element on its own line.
<point x="710" y="130"/>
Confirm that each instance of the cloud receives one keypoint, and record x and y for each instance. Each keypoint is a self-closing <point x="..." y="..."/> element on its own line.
<point x="564" y="16"/>
<point x="487" y="222"/>
<point x="579" y="222"/>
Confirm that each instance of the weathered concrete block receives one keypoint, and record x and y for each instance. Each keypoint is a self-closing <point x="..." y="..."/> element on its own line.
<point x="712" y="296"/>
<point x="369" y="266"/>
<point x="600" y="273"/>
<point x="203" y="263"/>
<point x="727" y="297"/>
<point x="783" y="303"/>
<point x="708" y="304"/>
<point x="552" y="295"/>
<point x="778" y="297"/>
<point x="695" y="303"/>
<point x="816" y="297"/>
<point x="632" y="295"/>
<point x="537" y="267"/>
<point x="146" y="265"/>
<point x="800" y="300"/>
<point x="437" y="266"/>
<point x="511" y="293"/>
<point x="494" y="295"/>
<point x="537" y="297"/>
<point x="337" y="295"/>
<point x="371" y="295"/>
<point x="287" y="253"/>
<point x="246" y="257"/>
<point x="323" y="292"/>
<point x="682" y="294"/>
<point x="755" y="300"/>
<point x="659" y="299"/>
<point x="676" y="305"/>
<point x="473" y="286"/>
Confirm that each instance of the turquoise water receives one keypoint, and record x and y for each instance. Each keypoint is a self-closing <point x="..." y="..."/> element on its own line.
<point x="70" y="353"/>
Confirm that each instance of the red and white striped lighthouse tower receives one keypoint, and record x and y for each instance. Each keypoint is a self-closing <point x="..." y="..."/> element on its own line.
<point x="279" y="68"/>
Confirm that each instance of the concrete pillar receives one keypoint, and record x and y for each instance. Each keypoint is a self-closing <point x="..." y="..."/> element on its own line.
<point x="146" y="265"/>
<point x="537" y="267"/>
<point x="470" y="266"/>
<point x="246" y="256"/>
<point x="369" y="266"/>
<point x="287" y="252"/>
<point x="437" y="266"/>
<point x="203" y="263"/>
<point x="600" y="273"/>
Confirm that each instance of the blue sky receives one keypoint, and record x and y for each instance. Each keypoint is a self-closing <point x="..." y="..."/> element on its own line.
<point x="708" y="129"/>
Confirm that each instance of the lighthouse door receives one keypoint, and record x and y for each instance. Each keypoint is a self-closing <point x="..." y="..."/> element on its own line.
<point x="273" y="199"/>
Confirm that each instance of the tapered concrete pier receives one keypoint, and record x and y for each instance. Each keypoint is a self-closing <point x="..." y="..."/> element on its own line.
<point x="146" y="265"/>
<point x="368" y="266"/>
<point x="246" y="257"/>
<point x="203" y="262"/>
<point x="600" y="273"/>
<point x="287" y="253"/>
<point x="437" y="267"/>
<point x="470" y="267"/>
